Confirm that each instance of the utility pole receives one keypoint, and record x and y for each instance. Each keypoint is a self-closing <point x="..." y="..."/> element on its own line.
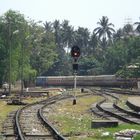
<point x="10" y="34"/>
<point x="22" y="52"/>
<point x="9" y="38"/>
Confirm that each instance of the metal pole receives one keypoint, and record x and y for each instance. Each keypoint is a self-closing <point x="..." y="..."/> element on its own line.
<point x="75" y="80"/>
<point x="22" y="49"/>
<point x="9" y="58"/>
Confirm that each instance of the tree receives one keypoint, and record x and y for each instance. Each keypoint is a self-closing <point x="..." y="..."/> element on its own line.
<point x="43" y="52"/>
<point x="128" y="30"/>
<point x="82" y="37"/>
<point x="105" y="29"/>
<point x="138" y="27"/>
<point x="12" y="34"/>
<point x="115" y="58"/>
<point x="67" y="34"/>
<point x="118" y="35"/>
<point x="89" y="66"/>
<point x="57" y="32"/>
<point x="93" y="43"/>
<point x="48" y="26"/>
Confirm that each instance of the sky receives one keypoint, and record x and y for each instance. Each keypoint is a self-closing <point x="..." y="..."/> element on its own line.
<point x="79" y="13"/>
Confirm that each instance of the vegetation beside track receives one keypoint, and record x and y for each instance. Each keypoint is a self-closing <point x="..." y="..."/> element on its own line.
<point x="5" y="110"/>
<point x="74" y="121"/>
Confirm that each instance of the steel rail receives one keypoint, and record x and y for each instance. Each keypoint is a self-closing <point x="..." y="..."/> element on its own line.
<point x="124" y="119"/>
<point x="18" y="130"/>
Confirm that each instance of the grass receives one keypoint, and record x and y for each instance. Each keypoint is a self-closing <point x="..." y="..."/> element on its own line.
<point x="32" y="100"/>
<point x="4" y="111"/>
<point x="74" y="121"/>
<point x="137" y="137"/>
<point x="80" y="128"/>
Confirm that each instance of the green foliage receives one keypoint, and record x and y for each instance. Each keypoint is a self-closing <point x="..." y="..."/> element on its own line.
<point x="29" y="45"/>
<point x="11" y="23"/>
<point x="131" y="58"/>
<point x="137" y="137"/>
<point x="114" y="58"/>
<point x="89" y="66"/>
<point x="44" y="50"/>
<point x="43" y="53"/>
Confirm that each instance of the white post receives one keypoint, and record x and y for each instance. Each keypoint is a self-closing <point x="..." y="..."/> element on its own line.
<point x="74" y="81"/>
<point x="74" y="100"/>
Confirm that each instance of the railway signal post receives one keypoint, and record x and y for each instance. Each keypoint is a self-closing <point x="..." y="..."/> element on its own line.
<point x="75" y="53"/>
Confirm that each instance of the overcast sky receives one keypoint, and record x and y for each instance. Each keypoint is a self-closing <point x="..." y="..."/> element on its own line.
<point x="83" y="13"/>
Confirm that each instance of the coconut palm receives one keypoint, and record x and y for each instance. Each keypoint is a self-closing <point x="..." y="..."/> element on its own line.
<point x="138" y="27"/>
<point x="104" y="30"/>
<point x="67" y="34"/>
<point x="48" y="26"/>
<point x="128" y="30"/>
<point x="57" y="32"/>
<point x="82" y="36"/>
<point x="118" y="35"/>
<point x="93" y="42"/>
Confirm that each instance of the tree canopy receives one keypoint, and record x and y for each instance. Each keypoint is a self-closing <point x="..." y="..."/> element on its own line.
<point x="44" y="48"/>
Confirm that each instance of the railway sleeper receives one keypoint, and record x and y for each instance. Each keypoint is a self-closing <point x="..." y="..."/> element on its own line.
<point x="104" y="123"/>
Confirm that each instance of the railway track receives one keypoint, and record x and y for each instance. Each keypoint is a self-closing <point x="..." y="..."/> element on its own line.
<point x="109" y="109"/>
<point x="8" y="127"/>
<point x="30" y="124"/>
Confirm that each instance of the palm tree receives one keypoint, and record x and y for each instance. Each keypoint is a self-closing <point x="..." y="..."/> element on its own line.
<point x="128" y="30"/>
<point x="82" y="36"/>
<point x="57" y="32"/>
<point x="93" y="42"/>
<point x="67" y="34"/>
<point x="118" y="35"/>
<point x="104" y="30"/>
<point x="138" y="27"/>
<point x="48" y="26"/>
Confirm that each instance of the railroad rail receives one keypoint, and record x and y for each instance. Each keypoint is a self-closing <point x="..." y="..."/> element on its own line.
<point x="46" y="122"/>
<point x="30" y="124"/>
<point x="109" y="108"/>
<point x="8" y="126"/>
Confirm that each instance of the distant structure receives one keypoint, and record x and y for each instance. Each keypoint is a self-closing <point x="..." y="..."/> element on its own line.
<point x="128" y="20"/>
<point x="5" y="86"/>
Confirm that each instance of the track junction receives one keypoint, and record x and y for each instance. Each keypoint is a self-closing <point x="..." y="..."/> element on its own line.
<point x="31" y="123"/>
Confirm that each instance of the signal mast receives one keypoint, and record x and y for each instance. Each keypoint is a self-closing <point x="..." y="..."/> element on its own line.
<point x="75" y="53"/>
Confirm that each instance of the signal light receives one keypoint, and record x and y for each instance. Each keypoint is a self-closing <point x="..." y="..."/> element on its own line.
<point x="75" y="51"/>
